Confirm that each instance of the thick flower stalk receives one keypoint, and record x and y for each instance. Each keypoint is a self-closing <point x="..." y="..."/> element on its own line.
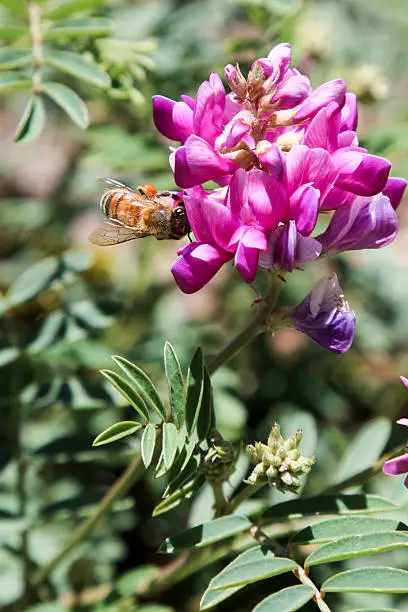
<point x="399" y="465"/>
<point x="279" y="462"/>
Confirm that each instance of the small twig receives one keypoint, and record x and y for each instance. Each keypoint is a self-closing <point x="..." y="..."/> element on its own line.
<point x="243" y="495"/>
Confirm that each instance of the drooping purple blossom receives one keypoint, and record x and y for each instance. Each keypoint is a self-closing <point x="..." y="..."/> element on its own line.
<point x="325" y="316"/>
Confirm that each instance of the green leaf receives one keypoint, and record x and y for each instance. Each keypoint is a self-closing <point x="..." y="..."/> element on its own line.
<point x="204" y="535"/>
<point x="185" y="472"/>
<point x="48" y="332"/>
<point x="77" y="28"/>
<point x="170" y="446"/>
<point x="144" y="385"/>
<point x="195" y="385"/>
<point x="148" y="443"/>
<point x="357" y="546"/>
<point x="8" y="355"/>
<point x="177" y="497"/>
<point x="13" y="81"/>
<point x="211" y="598"/>
<point x="69" y="101"/>
<point x="365" y="449"/>
<point x="128" y="393"/>
<point x="77" y="261"/>
<point x="205" y="416"/>
<point x="65" y="8"/>
<point x="34" y="280"/>
<point x="32" y="122"/>
<point x="176" y="383"/>
<point x="14" y="59"/>
<point x="130" y="582"/>
<point x="335" y="528"/>
<point x="89" y="315"/>
<point x="368" y="580"/>
<point x="287" y="600"/>
<point x="246" y="573"/>
<point x="11" y="29"/>
<point x="77" y="66"/>
<point x="116" y="432"/>
<point x="327" y="504"/>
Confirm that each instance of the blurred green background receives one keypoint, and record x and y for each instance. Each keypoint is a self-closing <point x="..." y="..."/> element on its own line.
<point x="67" y="305"/>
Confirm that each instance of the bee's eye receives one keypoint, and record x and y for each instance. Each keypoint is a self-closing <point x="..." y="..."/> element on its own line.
<point x="179" y="212"/>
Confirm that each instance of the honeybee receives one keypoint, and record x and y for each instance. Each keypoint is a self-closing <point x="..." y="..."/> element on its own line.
<point x="137" y="214"/>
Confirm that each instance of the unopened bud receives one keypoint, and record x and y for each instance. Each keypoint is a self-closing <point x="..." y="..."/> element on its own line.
<point x="218" y="462"/>
<point x="279" y="462"/>
<point x="236" y="81"/>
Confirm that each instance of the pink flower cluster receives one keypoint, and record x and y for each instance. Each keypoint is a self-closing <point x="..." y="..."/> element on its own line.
<point x="282" y="152"/>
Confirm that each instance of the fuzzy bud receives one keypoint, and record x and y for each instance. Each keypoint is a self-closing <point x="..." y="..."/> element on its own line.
<point x="280" y="461"/>
<point x="218" y="462"/>
<point x="236" y="81"/>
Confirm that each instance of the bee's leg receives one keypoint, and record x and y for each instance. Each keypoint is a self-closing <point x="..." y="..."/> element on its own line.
<point x="189" y="235"/>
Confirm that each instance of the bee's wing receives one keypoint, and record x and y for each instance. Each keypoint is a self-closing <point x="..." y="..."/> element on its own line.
<point x="115" y="184"/>
<point x="113" y="233"/>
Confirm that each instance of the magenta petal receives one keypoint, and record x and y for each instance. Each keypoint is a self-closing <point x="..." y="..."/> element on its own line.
<point x="209" y="108"/>
<point x="267" y="199"/>
<point x="183" y="120"/>
<point x="333" y="91"/>
<point x="197" y="264"/>
<point x="304" y="165"/>
<point x="163" y="117"/>
<point x="398" y="465"/>
<point x="335" y="198"/>
<point x="291" y="91"/>
<point x="403" y="421"/>
<point x="304" y="207"/>
<point x="196" y="162"/>
<point x="246" y="261"/>
<point x="271" y="158"/>
<point x="361" y="173"/>
<point x="323" y="129"/>
<point x="394" y="190"/>
<point x="349" y="115"/>
<point x="288" y="249"/>
<point x="280" y="56"/>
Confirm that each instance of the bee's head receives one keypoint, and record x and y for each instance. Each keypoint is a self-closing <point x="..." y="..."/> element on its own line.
<point x="179" y="222"/>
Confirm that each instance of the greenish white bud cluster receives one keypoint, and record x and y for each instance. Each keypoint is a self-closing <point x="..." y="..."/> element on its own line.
<point x="279" y="462"/>
<point x="218" y="462"/>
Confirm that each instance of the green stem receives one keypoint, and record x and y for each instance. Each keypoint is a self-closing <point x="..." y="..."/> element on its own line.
<point x="220" y="502"/>
<point x="256" y="325"/>
<point x="364" y="475"/>
<point x="118" y="490"/>
<point x="34" y="16"/>
<point x="243" y="495"/>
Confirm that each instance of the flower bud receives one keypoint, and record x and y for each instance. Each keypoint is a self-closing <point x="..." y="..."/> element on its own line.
<point x="236" y="81"/>
<point x="218" y="463"/>
<point x="279" y="462"/>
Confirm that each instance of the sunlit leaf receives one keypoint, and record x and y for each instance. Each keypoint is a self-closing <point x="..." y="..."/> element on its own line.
<point x="203" y="535"/>
<point x="144" y="385"/>
<point x="8" y="355"/>
<point x="368" y="580"/>
<point x="77" y="28"/>
<point x="10" y="29"/>
<point x="14" y="59"/>
<point x="184" y="472"/>
<point x="127" y="392"/>
<point x="176" y="383"/>
<point x="205" y="417"/>
<point x="77" y="261"/>
<point x="327" y="504"/>
<point x="89" y="315"/>
<point x="129" y="582"/>
<point x="32" y="121"/>
<point x="357" y="546"/>
<point x="169" y="444"/>
<point x="65" y="8"/>
<point x="252" y="571"/>
<point x="286" y="600"/>
<point x="33" y="281"/>
<point x="13" y="81"/>
<point x="116" y="432"/>
<point x="195" y="385"/>
<point x="48" y="332"/>
<point x="77" y="66"/>
<point x="173" y="500"/>
<point x="148" y="444"/>
<point x="335" y="528"/>
<point x="365" y="449"/>
<point x="69" y="101"/>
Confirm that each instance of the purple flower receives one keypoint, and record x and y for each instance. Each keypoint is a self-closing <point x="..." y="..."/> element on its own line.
<point x="325" y="316"/>
<point x="366" y="223"/>
<point x="398" y="465"/>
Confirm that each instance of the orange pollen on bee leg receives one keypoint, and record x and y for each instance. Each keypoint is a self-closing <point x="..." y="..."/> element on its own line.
<point x="149" y="189"/>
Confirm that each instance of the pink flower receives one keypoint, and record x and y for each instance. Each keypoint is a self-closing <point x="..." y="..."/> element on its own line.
<point x="398" y="465"/>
